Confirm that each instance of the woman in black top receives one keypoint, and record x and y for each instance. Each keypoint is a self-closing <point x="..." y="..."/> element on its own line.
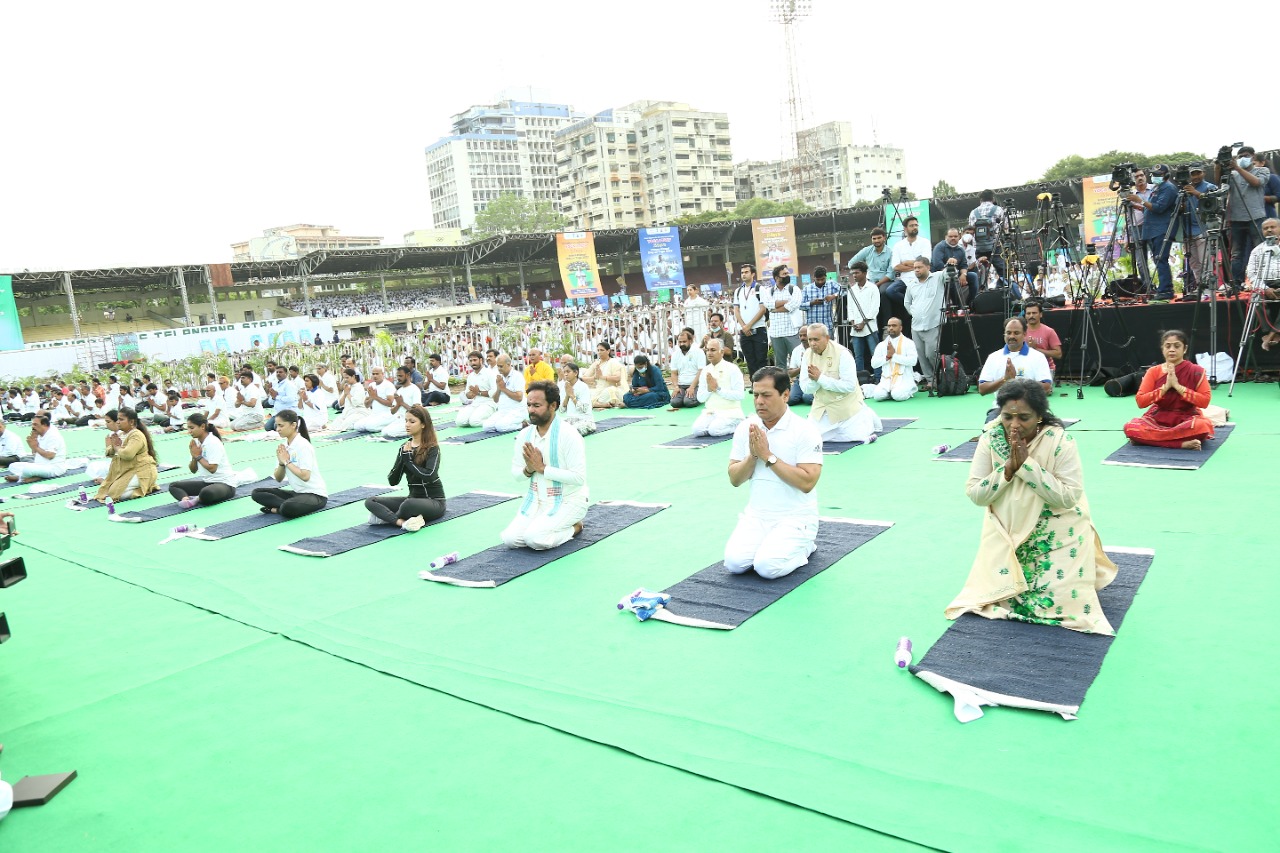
<point x="418" y="460"/>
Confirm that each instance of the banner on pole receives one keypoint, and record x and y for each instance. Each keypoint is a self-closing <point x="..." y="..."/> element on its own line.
<point x="10" y="322"/>
<point x="894" y="217"/>
<point x="661" y="258"/>
<point x="576" y="251"/>
<point x="775" y="243"/>
<point x="1098" y="211"/>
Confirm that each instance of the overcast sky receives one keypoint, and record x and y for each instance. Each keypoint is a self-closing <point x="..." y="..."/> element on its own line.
<point x="153" y="133"/>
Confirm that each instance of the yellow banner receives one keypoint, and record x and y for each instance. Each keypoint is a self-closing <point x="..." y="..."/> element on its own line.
<point x="576" y="251"/>
<point x="775" y="243"/>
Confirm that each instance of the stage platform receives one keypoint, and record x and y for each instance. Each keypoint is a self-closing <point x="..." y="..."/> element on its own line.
<point x="218" y="695"/>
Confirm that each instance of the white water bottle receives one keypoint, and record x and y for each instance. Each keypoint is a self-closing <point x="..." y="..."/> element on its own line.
<point x="446" y="560"/>
<point x="111" y="505"/>
<point x="903" y="656"/>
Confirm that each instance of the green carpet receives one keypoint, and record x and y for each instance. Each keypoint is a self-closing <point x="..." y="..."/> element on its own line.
<point x="797" y="704"/>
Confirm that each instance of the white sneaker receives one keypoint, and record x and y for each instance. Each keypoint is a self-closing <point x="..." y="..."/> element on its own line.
<point x="413" y="525"/>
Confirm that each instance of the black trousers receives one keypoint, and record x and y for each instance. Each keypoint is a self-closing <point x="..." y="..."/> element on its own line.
<point x="755" y="349"/>
<point x="288" y="503"/>
<point x="208" y="493"/>
<point x="8" y="460"/>
<point x="393" y="507"/>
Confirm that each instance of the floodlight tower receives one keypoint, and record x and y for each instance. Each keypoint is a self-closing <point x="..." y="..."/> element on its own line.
<point x="789" y="13"/>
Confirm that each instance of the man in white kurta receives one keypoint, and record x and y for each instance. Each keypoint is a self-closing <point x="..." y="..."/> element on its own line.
<point x="830" y="374"/>
<point x="407" y="395"/>
<point x="895" y="358"/>
<point x="780" y="454"/>
<point x="382" y="393"/>
<point x="48" y="450"/>
<point x="553" y="458"/>
<point x="720" y="391"/>
<point x="477" y="403"/>
<point x="508" y="394"/>
<point x="352" y="400"/>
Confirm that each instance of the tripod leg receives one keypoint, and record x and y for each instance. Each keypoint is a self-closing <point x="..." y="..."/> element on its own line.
<point x="1246" y="337"/>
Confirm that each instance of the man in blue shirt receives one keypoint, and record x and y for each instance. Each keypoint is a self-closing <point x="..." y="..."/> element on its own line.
<point x="1159" y="210"/>
<point x="950" y="253"/>
<point x="879" y="260"/>
<point x="819" y="294"/>
<point x="1193" y="244"/>
<point x="284" y="392"/>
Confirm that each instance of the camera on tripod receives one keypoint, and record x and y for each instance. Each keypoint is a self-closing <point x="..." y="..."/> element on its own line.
<point x="1122" y="177"/>
<point x="1224" y="155"/>
<point x="1213" y="203"/>
<point x="1182" y="174"/>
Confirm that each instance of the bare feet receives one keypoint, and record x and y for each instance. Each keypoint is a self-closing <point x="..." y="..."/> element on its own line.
<point x="577" y="530"/>
<point x="1193" y="444"/>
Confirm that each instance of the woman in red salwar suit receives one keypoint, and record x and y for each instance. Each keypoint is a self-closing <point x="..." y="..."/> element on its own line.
<point x="1175" y="392"/>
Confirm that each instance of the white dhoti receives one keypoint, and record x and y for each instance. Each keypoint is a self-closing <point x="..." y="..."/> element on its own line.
<point x="348" y="419"/>
<point x="541" y="525"/>
<point x="374" y="421"/>
<point x="97" y="469"/>
<point x="43" y="469"/>
<point x="773" y="546"/>
<point x="903" y="389"/>
<point x="584" y="424"/>
<point x="223" y="422"/>
<point x="316" y="419"/>
<point x="508" y="420"/>
<point x="475" y="414"/>
<point x="247" y="420"/>
<point x="395" y="429"/>
<point x="861" y="427"/>
<point x="716" y="423"/>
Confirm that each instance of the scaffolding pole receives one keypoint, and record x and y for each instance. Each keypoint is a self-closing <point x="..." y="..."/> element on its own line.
<point x="71" y="303"/>
<point x="182" y="291"/>
<point x="213" y="302"/>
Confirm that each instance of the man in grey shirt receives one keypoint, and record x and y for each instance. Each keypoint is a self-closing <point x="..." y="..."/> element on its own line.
<point x="1246" y="207"/>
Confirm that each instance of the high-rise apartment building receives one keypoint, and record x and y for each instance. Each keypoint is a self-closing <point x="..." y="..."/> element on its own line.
<point x="686" y="160"/>
<point x="508" y="147"/>
<point x="598" y="169"/>
<point x="829" y="172"/>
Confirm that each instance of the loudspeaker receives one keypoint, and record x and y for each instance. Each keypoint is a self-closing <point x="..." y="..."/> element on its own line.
<point x="1124" y="386"/>
<point x="12" y="571"/>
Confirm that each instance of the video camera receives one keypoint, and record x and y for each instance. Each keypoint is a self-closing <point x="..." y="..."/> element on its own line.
<point x="1182" y="174"/>
<point x="1213" y="203"/>
<point x="1122" y="177"/>
<point x="1224" y="155"/>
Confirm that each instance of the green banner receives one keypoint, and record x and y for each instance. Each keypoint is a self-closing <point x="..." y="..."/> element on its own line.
<point x="10" y="323"/>
<point x="919" y="208"/>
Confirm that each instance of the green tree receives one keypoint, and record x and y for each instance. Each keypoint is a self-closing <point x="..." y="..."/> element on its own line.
<point x="752" y="208"/>
<point x="943" y="189"/>
<point x="1076" y="166"/>
<point x="513" y="214"/>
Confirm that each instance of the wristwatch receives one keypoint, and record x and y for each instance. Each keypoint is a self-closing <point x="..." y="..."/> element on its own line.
<point x="771" y="461"/>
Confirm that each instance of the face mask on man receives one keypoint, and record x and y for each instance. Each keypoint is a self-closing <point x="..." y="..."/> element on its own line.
<point x="784" y="280"/>
<point x="1245" y="162"/>
<point x="1157" y="180"/>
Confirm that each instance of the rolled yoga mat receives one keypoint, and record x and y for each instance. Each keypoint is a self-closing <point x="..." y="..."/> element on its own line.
<point x="342" y="541"/>
<point x="890" y="425"/>
<point x="1144" y="456"/>
<point x="1025" y="665"/>
<point x="258" y="520"/>
<point x="499" y="564"/>
<point x="171" y="509"/>
<point x="717" y="598"/>
<point x="964" y="452"/>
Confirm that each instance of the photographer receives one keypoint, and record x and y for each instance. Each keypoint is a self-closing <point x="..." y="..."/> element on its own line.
<point x="949" y="253"/>
<point x="1193" y="243"/>
<point x="1158" y="208"/>
<point x="987" y="222"/>
<point x="1134" y="219"/>
<point x="1246" y="207"/>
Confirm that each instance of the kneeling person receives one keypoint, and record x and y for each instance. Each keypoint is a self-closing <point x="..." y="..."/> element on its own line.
<point x="829" y="373"/>
<point x="720" y="388"/>
<point x="553" y="458"/>
<point x="780" y="454"/>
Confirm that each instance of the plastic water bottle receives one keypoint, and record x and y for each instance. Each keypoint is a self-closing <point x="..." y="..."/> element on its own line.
<point x="903" y="656"/>
<point x="84" y="495"/>
<point x="446" y="560"/>
<point x="941" y="449"/>
<point x="111" y="505"/>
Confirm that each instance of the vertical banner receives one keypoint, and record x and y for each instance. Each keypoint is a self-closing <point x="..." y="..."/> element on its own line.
<point x="919" y="208"/>
<point x="660" y="258"/>
<point x="220" y="275"/>
<point x="1098" y="211"/>
<point x="576" y="251"/>
<point x="775" y="243"/>
<point x="10" y="322"/>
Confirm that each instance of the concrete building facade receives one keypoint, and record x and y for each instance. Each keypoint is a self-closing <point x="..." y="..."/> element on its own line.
<point x="601" y="184"/>
<point x="294" y="241"/>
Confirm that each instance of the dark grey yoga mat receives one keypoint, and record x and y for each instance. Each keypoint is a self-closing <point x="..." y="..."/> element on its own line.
<point x="332" y="544"/>
<point x="499" y="564"/>
<point x="1028" y="663"/>
<point x="1143" y="456"/>
<point x="259" y="520"/>
<point x="343" y="436"/>
<point x="88" y="486"/>
<point x="964" y="452"/>
<point x="716" y="598"/>
<point x="889" y="424"/>
<point x="20" y="484"/>
<point x="613" y="423"/>
<point x="695" y="442"/>
<point x="171" y="509"/>
<point x="478" y="435"/>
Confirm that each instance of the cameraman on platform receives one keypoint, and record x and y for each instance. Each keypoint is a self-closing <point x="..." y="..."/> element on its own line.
<point x="1158" y="209"/>
<point x="949" y="253"/>
<point x="987" y="220"/>
<point x="1193" y="243"/>
<point x="1245" y="206"/>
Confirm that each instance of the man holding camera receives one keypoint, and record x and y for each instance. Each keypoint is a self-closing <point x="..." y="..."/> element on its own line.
<point x="1193" y="244"/>
<point x="1246" y="207"/>
<point x="1158" y="208"/>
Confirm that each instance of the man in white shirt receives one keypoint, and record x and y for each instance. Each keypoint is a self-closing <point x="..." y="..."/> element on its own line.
<point x="786" y="311"/>
<point x="508" y="393"/>
<point x="830" y="377"/>
<point x="1016" y="360"/>
<point x="780" y="454"/>
<point x="436" y="381"/>
<point x="687" y="362"/>
<point x="11" y="447"/>
<point x="328" y="384"/>
<point x="381" y="394"/>
<point x="862" y="307"/>
<point x="247" y="414"/>
<point x="478" y="405"/>
<point x="720" y="389"/>
<point x="924" y="302"/>
<point x="905" y="252"/>
<point x="751" y="314"/>
<point x="553" y="458"/>
<point x="895" y="358"/>
<point x="695" y="312"/>
<point x="49" y="451"/>
<point x="217" y="410"/>
<point x="351" y="400"/>
<point x="407" y="395"/>
<point x="795" y="365"/>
